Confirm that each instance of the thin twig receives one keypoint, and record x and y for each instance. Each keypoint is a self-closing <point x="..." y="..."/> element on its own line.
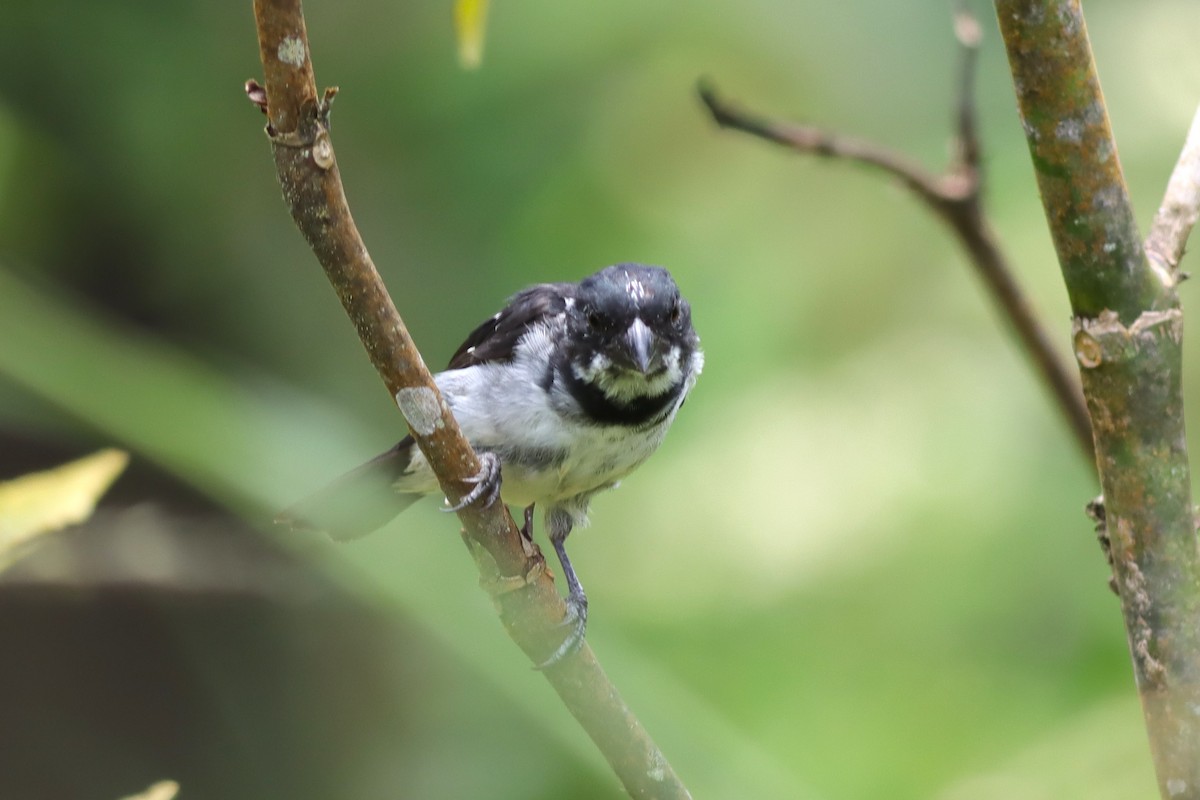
<point x="531" y="612"/>
<point x="1180" y="208"/>
<point x="817" y="141"/>
<point x="955" y="197"/>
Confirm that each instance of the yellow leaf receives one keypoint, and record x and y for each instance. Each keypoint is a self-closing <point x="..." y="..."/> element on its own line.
<point x="470" y="19"/>
<point x="46" y="501"/>
<point x="163" y="790"/>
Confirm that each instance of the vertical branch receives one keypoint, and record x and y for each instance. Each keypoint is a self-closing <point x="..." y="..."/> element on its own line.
<point x="1075" y="158"/>
<point x="511" y="567"/>
<point x="1128" y="334"/>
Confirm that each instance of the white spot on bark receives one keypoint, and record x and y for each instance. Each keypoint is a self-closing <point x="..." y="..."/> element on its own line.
<point x="1031" y="133"/>
<point x="420" y="408"/>
<point x="658" y="769"/>
<point x="1069" y="130"/>
<point x="1108" y="197"/>
<point x="1069" y="20"/>
<point x="1176" y="786"/>
<point x="291" y="51"/>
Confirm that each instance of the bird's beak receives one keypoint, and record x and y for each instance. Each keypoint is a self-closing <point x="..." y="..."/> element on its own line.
<point x="639" y="340"/>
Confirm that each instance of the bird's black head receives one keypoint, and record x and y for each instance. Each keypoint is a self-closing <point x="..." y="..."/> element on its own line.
<point x="630" y="332"/>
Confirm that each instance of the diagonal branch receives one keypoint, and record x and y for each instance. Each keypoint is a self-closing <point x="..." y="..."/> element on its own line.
<point x="1179" y="210"/>
<point x="956" y="198"/>
<point x="530" y="608"/>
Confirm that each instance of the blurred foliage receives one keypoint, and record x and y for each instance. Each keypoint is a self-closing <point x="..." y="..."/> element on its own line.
<point x="470" y="22"/>
<point x="163" y="790"/>
<point x="858" y="568"/>
<point x="47" y="501"/>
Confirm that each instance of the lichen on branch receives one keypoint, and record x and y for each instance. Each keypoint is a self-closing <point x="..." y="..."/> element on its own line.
<point x="1128" y="342"/>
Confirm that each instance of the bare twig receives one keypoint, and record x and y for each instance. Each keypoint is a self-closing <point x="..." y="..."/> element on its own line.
<point x="1179" y="210"/>
<point x="1128" y="342"/>
<point x="956" y="197"/>
<point x="312" y="187"/>
<point x="817" y="141"/>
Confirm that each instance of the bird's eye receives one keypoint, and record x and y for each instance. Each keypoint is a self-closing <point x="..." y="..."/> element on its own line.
<point x="676" y="313"/>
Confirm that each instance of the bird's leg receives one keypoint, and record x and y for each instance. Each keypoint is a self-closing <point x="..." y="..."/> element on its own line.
<point x="560" y="525"/>
<point x="485" y="483"/>
<point x="527" y="528"/>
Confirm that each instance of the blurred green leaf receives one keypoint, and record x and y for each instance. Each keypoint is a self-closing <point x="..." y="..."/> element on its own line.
<point x="1100" y="754"/>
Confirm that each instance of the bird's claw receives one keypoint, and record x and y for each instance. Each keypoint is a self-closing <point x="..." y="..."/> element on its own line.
<point x="527" y="528"/>
<point x="485" y="484"/>
<point x="576" y="622"/>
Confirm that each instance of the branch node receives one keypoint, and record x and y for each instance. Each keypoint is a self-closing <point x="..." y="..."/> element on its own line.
<point x="954" y="196"/>
<point x="313" y="128"/>
<point x="1088" y="351"/>
<point x="504" y="584"/>
<point x="327" y="101"/>
<point x="256" y="93"/>
<point x="322" y="151"/>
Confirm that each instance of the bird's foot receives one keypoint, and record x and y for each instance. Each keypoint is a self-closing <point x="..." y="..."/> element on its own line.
<point x="576" y="624"/>
<point x="485" y="484"/>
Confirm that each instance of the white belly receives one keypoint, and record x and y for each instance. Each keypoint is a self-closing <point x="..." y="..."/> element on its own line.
<point x="546" y="458"/>
<point x="597" y="460"/>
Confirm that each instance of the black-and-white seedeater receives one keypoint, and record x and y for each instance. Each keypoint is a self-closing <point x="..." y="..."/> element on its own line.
<point x="563" y="393"/>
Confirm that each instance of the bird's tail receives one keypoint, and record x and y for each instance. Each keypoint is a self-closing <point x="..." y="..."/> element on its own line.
<point x="359" y="502"/>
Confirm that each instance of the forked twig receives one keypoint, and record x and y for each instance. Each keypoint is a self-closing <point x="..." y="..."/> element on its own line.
<point x="956" y="197"/>
<point x="1128" y="340"/>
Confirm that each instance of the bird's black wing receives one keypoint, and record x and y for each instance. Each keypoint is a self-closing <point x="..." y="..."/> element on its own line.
<point x="496" y="338"/>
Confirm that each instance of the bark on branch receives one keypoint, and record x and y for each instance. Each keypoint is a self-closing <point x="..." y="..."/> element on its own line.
<point x="512" y="568"/>
<point x="1179" y="209"/>
<point x="956" y="197"/>
<point x="1128" y="336"/>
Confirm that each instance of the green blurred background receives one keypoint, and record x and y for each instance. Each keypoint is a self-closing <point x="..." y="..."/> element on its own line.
<point x="858" y="568"/>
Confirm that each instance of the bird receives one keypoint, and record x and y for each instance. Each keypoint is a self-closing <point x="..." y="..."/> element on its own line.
<point x="564" y="392"/>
